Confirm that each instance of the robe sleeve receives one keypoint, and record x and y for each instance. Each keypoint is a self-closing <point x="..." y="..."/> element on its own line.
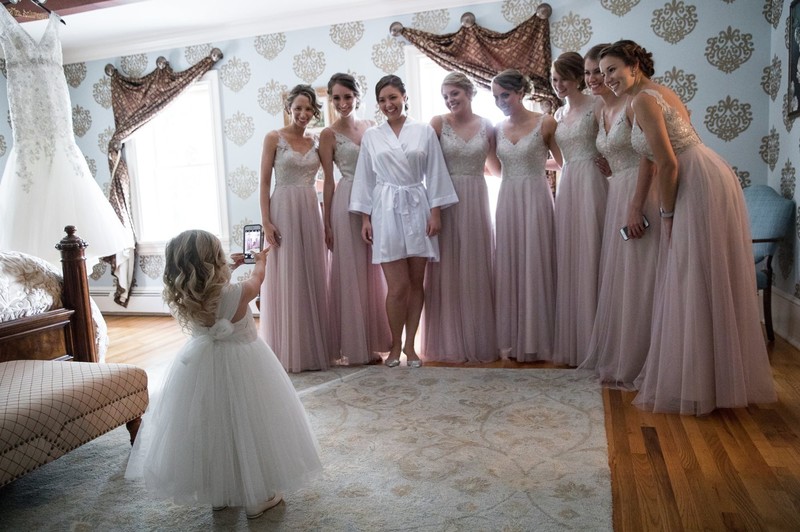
<point x="364" y="179"/>
<point x="438" y="184"/>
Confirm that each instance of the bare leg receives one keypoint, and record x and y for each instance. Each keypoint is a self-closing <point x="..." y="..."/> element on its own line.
<point x="416" y="299"/>
<point x="397" y="283"/>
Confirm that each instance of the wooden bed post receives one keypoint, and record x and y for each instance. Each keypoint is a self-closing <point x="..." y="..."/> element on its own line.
<point x="80" y="337"/>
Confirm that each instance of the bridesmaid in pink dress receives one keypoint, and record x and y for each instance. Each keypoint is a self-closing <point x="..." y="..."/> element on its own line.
<point x="621" y="334"/>
<point x="580" y="213"/>
<point x="525" y="252"/>
<point x="359" y="329"/>
<point x="294" y="301"/>
<point x="707" y="349"/>
<point x="459" y="315"/>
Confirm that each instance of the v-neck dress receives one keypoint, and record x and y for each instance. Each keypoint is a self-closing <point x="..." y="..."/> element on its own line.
<point x="359" y="327"/>
<point x="580" y="214"/>
<point x="458" y="317"/>
<point x="707" y="349"/>
<point x="621" y="334"/>
<point x="525" y="252"/>
<point x="294" y="297"/>
<point x="46" y="184"/>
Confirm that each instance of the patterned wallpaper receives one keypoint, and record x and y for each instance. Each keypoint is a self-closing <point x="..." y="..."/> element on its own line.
<point x="725" y="58"/>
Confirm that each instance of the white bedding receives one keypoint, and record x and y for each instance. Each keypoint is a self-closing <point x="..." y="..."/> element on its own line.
<point x="30" y="285"/>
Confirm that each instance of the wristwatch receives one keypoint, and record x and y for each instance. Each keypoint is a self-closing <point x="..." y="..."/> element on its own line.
<point x="666" y="214"/>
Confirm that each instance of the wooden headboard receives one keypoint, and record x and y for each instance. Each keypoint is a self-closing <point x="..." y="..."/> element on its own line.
<point x="62" y="334"/>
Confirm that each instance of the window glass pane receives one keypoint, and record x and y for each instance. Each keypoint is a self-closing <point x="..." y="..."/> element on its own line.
<point x="174" y="167"/>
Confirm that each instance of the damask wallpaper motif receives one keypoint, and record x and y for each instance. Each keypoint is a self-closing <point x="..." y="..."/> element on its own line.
<point x="726" y="59"/>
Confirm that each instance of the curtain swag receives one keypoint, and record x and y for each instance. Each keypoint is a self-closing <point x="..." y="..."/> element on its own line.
<point x="135" y="101"/>
<point x="481" y="54"/>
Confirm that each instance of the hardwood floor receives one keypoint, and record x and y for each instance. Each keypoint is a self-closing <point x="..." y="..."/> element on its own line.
<point x="731" y="470"/>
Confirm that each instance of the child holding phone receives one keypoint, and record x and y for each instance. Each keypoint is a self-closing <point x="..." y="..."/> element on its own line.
<point x="228" y="428"/>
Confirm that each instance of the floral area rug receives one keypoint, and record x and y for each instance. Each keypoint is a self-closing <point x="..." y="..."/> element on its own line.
<point x="404" y="449"/>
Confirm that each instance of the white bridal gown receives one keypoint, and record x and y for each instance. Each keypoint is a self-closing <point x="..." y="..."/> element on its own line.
<point x="47" y="184"/>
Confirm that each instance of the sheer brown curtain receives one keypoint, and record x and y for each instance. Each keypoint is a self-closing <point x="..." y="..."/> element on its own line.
<point x="481" y="54"/>
<point x="135" y="102"/>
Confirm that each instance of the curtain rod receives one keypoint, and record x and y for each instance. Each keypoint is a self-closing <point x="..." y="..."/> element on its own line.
<point x="39" y="4"/>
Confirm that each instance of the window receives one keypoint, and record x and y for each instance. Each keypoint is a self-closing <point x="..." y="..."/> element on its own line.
<point x="177" y="169"/>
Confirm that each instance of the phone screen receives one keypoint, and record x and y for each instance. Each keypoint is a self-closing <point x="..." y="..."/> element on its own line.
<point x="253" y="241"/>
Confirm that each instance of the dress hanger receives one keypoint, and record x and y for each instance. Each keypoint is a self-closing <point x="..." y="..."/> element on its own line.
<point x="39" y="4"/>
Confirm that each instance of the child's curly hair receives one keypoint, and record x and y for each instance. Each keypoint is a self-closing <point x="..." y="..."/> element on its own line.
<point x="195" y="271"/>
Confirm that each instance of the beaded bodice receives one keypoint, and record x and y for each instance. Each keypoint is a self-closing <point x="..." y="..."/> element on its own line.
<point x="616" y="144"/>
<point x="524" y="159"/>
<point x="577" y="138"/>
<point x="345" y="155"/>
<point x="464" y="158"/>
<point x="39" y="104"/>
<point x="682" y="134"/>
<point x="293" y="168"/>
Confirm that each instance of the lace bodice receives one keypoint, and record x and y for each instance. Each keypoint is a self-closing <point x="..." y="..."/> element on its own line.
<point x="616" y="144"/>
<point x="526" y="158"/>
<point x="682" y="134"/>
<point x="295" y="169"/>
<point x="464" y="158"/>
<point x="345" y="155"/>
<point x="577" y="140"/>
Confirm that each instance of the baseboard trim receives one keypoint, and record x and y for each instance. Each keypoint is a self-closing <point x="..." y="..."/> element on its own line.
<point x="143" y="301"/>
<point x="785" y="316"/>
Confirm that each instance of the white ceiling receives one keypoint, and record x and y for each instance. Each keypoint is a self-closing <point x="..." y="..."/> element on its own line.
<point x="151" y="25"/>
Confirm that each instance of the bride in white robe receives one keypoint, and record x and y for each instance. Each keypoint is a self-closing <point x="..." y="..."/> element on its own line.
<point x="401" y="184"/>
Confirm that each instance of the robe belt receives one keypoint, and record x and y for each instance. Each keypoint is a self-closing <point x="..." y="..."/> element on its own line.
<point x="405" y="200"/>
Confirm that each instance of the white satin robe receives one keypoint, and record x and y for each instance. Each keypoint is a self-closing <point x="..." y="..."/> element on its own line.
<point x="398" y="180"/>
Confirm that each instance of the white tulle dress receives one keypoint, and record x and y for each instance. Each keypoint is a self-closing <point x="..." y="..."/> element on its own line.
<point x="228" y="427"/>
<point x="707" y="349"/>
<point x="46" y="184"/>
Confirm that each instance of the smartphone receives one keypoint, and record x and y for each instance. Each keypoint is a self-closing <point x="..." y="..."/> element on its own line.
<point x="253" y="242"/>
<point x="624" y="230"/>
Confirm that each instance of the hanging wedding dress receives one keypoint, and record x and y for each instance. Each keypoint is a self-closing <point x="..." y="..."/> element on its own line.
<point x="47" y="184"/>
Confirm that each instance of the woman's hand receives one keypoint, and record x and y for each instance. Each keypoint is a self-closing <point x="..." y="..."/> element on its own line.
<point x="366" y="230"/>
<point x="635" y="222"/>
<point x="602" y="164"/>
<point x="434" y="222"/>
<point x="329" y="237"/>
<point x="272" y="236"/>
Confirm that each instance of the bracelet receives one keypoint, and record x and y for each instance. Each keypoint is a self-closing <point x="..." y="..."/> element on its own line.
<point x="666" y="214"/>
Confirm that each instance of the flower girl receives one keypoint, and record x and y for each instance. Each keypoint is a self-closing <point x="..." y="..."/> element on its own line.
<point x="228" y="428"/>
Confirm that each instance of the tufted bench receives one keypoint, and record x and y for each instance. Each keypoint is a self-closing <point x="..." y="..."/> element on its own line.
<point x="48" y="408"/>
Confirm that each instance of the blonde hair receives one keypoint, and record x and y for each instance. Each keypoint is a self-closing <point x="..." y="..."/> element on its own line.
<point x="195" y="272"/>
<point x="457" y="79"/>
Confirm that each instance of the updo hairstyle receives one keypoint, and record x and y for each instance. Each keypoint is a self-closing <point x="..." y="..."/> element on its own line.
<point x="569" y="65"/>
<point x="390" y="80"/>
<point x="307" y="91"/>
<point x="632" y="55"/>
<point x="348" y="82"/>
<point x="457" y="79"/>
<point x="513" y="80"/>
